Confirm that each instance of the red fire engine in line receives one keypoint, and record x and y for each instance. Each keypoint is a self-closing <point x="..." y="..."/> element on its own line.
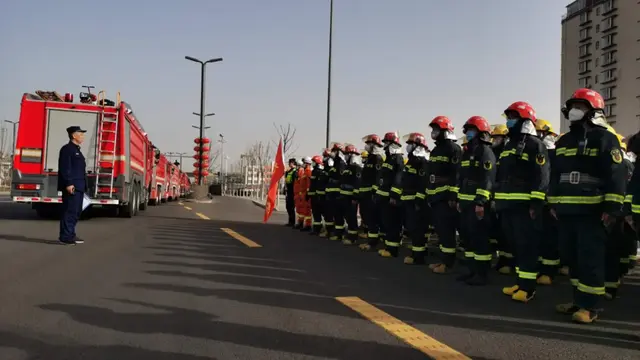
<point x="124" y="169"/>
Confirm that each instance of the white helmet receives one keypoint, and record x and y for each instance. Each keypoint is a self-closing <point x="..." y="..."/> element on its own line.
<point x="307" y="160"/>
<point x="299" y="162"/>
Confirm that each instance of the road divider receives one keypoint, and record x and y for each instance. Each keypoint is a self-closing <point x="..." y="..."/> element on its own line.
<point x="412" y="336"/>
<point x="242" y="239"/>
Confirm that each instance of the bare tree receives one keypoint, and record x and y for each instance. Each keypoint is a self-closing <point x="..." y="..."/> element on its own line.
<point x="288" y="134"/>
<point x="261" y="154"/>
<point x="214" y="155"/>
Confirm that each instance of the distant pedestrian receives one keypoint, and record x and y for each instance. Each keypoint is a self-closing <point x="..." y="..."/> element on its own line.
<point x="72" y="183"/>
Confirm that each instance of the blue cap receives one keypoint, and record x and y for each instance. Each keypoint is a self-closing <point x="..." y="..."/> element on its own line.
<point x="75" y="129"/>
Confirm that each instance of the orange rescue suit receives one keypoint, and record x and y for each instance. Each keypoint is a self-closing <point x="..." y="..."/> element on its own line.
<point x="300" y="188"/>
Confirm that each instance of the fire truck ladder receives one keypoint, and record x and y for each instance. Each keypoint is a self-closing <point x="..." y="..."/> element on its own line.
<point x="104" y="172"/>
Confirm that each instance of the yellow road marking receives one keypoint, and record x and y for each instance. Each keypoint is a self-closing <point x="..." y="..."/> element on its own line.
<point x="188" y="208"/>
<point x="180" y="203"/>
<point x="242" y="239"/>
<point x="202" y="216"/>
<point x="412" y="336"/>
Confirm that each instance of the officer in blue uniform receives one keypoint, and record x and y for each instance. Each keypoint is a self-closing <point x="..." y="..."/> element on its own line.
<point x="72" y="183"/>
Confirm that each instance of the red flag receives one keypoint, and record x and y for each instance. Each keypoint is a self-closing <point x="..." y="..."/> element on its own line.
<point x="276" y="174"/>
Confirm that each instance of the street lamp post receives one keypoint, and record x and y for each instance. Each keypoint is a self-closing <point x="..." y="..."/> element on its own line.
<point x="13" y="139"/>
<point x="329" y="73"/>
<point x="222" y="141"/>
<point x="203" y="65"/>
<point x="179" y="155"/>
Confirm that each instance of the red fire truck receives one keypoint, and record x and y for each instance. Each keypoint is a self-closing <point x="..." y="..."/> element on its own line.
<point x="119" y="156"/>
<point x="173" y="185"/>
<point x="185" y="185"/>
<point x="159" y="180"/>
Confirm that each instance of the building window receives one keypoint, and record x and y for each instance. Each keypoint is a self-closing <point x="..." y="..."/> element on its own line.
<point x="597" y="79"/>
<point x="610" y="110"/>
<point x="597" y="62"/>
<point x="584" y="50"/>
<point x="609" y="57"/>
<point x="608" y="40"/>
<point x="609" y="23"/>
<point x="598" y="11"/>
<point x="584" y="33"/>
<point x="608" y="92"/>
<point x="584" y="81"/>
<point x="609" y="75"/>
<point x="608" y="6"/>
<point x="597" y="45"/>
<point x="597" y="28"/>
<point x="584" y="17"/>
<point x="583" y="66"/>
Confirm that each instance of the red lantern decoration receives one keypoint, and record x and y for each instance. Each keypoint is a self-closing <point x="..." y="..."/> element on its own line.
<point x="204" y="140"/>
<point x="205" y="156"/>
<point x="205" y="148"/>
<point x="205" y="164"/>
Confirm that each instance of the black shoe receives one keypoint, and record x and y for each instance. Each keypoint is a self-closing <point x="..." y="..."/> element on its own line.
<point x="66" y="242"/>
<point x="77" y="240"/>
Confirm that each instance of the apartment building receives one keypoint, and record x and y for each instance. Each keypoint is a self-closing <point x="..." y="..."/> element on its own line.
<point x="601" y="51"/>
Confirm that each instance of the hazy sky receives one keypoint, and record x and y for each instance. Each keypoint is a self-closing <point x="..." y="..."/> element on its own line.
<point x="397" y="63"/>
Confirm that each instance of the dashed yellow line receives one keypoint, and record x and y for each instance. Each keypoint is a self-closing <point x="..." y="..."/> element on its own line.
<point x="412" y="336"/>
<point x="242" y="239"/>
<point x="188" y="208"/>
<point x="202" y="216"/>
<point x="180" y="203"/>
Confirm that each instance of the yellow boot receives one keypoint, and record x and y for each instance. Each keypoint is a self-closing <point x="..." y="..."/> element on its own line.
<point x="323" y="233"/>
<point x="409" y="260"/>
<point x="505" y="270"/>
<point x="441" y="269"/>
<point x="385" y="253"/>
<point x="523" y="296"/>
<point x="584" y="316"/>
<point x="434" y="265"/>
<point x="510" y="290"/>
<point x="564" y="271"/>
<point x="365" y="247"/>
<point x="348" y="242"/>
<point x="544" y="280"/>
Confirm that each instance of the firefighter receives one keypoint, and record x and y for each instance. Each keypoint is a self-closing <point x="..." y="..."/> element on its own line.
<point x="520" y="196"/>
<point x="298" y="195"/>
<point x="549" y="251"/>
<point x="290" y="178"/>
<point x="476" y="181"/>
<point x="442" y="191"/>
<point x="586" y="195"/>
<point x="336" y="163"/>
<point x="633" y="196"/>
<point x="362" y="230"/>
<point x="414" y="185"/>
<point x="389" y="194"/>
<point x="505" y="264"/>
<point x="317" y="185"/>
<point x="350" y="191"/>
<point x="326" y="160"/>
<point x="368" y="187"/>
<point x="72" y="172"/>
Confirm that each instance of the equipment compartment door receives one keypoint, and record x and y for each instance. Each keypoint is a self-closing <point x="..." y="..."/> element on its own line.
<point x="57" y="123"/>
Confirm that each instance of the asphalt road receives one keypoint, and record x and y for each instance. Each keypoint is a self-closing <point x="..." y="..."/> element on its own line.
<point x="170" y="284"/>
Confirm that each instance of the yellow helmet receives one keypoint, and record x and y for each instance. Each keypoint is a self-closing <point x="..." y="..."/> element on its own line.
<point x="544" y="125"/>
<point x="364" y="154"/>
<point x="500" y="130"/>
<point x="406" y="160"/>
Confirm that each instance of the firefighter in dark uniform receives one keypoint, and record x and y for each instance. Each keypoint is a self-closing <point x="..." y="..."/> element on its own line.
<point x="290" y="179"/>
<point x="326" y="160"/>
<point x="476" y="181"/>
<point x="505" y="262"/>
<point x="520" y="196"/>
<point x="622" y="237"/>
<point x="389" y="194"/>
<point x="442" y="191"/>
<point x="414" y="185"/>
<point x="549" y="248"/>
<point x="362" y="230"/>
<point x="586" y="195"/>
<point x="72" y="182"/>
<point x="350" y="192"/>
<point x="368" y="187"/>
<point x="316" y="194"/>
<point x="337" y="165"/>
<point x="633" y="197"/>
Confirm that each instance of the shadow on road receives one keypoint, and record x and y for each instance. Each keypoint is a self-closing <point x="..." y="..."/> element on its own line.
<point x="11" y="237"/>
<point x="37" y="349"/>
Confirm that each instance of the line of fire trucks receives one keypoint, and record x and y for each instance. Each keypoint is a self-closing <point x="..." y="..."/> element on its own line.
<point x="125" y="171"/>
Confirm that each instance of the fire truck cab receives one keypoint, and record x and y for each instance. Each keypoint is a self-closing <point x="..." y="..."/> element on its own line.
<point x="118" y="153"/>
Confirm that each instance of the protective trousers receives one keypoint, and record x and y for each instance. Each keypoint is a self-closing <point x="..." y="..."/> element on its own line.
<point x="71" y="209"/>
<point x="614" y="252"/>
<point x="363" y="213"/>
<point x="505" y="253"/>
<point x="523" y="234"/>
<point x="476" y="234"/>
<point x="445" y="221"/>
<point x="305" y="211"/>
<point x="350" y="211"/>
<point x="415" y="213"/>
<point x="549" y="248"/>
<point x="317" y="202"/>
<point x="330" y="213"/>
<point x="393" y="221"/>
<point x="375" y="225"/>
<point x="630" y="256"/>
<point x="291" y="208"/>
<point x="338" y="218"/>
<point x="582" y="244"/>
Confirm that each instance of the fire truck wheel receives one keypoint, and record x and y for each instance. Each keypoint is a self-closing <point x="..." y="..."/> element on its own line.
<point x="128" y="210"/>
<point x="143" y="200"/>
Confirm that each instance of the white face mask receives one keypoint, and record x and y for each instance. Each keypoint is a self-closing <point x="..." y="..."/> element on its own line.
<point x="549" y="141"/>
<point x="576" y="114"/>
<point x="435" y="133"/>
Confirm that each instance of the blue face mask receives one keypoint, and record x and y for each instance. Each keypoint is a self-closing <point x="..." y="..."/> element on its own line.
<point x="511" y="123"/>
<point x="470" y="134"/>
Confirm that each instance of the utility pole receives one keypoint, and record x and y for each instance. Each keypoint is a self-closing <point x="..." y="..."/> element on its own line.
<point x="222" y="141"/>
<point x="13" y="140"/>
<point x="329" y="74"/>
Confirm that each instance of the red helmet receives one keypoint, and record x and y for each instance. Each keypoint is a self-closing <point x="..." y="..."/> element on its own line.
<point x="442" y="123"/>
<point x="317" y="159"/>
<point x="337" y="147"/>
<point x="391" y="137"/>
<point x="351" y="149"/>
<point x="587" y="96"/>
<point x="479" y="123"/>
<point x="416" y="138"/>
<point x="326" y="152"/>
<point x="523" y="109"/>
<point x="372" y="139"/>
